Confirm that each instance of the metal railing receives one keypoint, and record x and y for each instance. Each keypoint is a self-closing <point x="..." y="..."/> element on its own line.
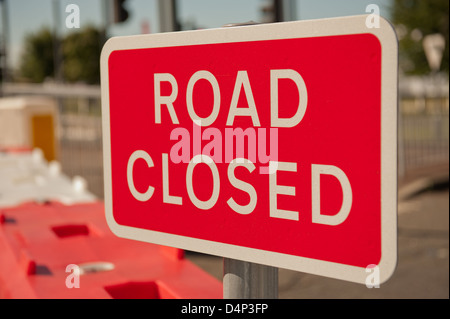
<point x="80" y="141"/>
<point x="423" y="137"/>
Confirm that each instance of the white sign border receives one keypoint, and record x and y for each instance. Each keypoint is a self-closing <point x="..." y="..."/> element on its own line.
<point x="285" y="30"/>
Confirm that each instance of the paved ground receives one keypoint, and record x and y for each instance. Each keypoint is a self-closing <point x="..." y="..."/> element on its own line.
<point x="423" y="249"/>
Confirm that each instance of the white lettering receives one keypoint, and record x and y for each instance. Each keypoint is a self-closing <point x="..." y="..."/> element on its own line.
<point x="143" y="197"/>
<point x="167" y="100"/>
<point x="246" y="187"/>
<point x="206" y="75"/>
<point x="276" y="75"/>
<point x="167" y="198"/>
<point x="205" y="205"/>
<point x="242" y="80"/>
<point x="341" y="216"/>
<point x="275" y="189"/>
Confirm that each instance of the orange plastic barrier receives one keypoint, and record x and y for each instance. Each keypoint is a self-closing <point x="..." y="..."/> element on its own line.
<point x="48" y="249"/>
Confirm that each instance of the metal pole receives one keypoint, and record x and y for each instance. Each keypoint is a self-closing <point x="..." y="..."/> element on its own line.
<point x="245" y="280"/>
<point x="57" y="44"/>
<point x="289" y="10"/>
<point x="4" y="41"/>
<point x="284" y="10"/>
<point x="168" y="16"/>
<point x="106" y="9"/>
<point x="278" y="11"/>
<point x="401" y="141"/>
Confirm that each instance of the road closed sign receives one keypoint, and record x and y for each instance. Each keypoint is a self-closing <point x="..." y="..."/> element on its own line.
<point x="273" y="144"/>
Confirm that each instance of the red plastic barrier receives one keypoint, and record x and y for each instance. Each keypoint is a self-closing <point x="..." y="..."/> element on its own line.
<point x="16" y="149"/>
<point x="38" y="242"/>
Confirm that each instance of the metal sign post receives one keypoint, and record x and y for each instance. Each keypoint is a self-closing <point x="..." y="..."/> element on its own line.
<point x="168" y="16"/>
<point x="246" y="280"/>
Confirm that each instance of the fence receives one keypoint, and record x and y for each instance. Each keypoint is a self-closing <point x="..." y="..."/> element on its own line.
<point x="80" y="141"/>
<point x="423" y="127"/>
<point x="423" y="136"/>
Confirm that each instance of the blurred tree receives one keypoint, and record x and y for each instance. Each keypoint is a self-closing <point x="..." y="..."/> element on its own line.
<point x="81" y="51"/>
<point x="81" y="55"/>
<point x="415" y="19"/>
<point x="37" y="58"/>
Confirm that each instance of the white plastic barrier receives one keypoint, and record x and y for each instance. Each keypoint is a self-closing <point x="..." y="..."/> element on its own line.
<point x="27" y="176"/>
<point x="29" y="122"/>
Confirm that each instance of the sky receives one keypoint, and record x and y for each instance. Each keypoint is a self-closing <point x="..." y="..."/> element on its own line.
<point x="28" y="16"/>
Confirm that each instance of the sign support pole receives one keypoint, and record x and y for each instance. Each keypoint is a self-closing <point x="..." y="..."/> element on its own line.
<point x="246" y="280"/>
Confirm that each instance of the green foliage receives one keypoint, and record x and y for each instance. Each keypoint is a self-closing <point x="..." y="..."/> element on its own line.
<point x="37" y="58"/>
<point x="420" y="18"/>
<point x="80" y="51"/>
<point x="82" y="56"/>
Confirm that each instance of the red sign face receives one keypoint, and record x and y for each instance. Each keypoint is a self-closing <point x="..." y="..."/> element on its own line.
<point x="263" y="149"/>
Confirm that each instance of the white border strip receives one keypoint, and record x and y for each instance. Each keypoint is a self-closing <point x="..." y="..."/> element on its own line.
<point x="286" y="30"/>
